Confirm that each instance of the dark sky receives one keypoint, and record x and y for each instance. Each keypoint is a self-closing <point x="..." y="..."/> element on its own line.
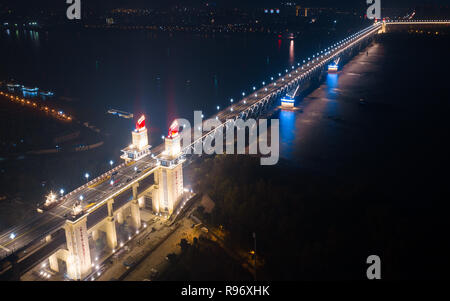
<point x="256" y="3"/>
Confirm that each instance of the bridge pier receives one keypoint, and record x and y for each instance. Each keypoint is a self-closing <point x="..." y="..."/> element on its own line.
<point x="79" y="256"/>
<point x="95" y="235"/>
<point x="120" y="217"/>
<point x="135" y="212"/>
<point x="61" y="254"/>
<point x="383" y="28"/>
<point x="111" y="234"/>
<point x="53" y="262"/>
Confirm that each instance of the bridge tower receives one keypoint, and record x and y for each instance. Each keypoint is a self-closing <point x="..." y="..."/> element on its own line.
<point x="383" y="27"/>
<point x="169" y="177"/>
<point x="334" y="66"/>
<point x="288" y="101"/>
<point x="139" y="148"/>
<point x="79" y="263"/>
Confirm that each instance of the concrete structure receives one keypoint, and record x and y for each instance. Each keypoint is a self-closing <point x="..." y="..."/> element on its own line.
<point x="79" y="257"/>
<point x="139" y="147"/>
<point x="334" y="66"/>
<point x="169" y="177"/>
<point x="166" y="192"/>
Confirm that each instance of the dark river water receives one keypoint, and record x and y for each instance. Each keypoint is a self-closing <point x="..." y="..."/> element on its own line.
<point x="382" y="119"/>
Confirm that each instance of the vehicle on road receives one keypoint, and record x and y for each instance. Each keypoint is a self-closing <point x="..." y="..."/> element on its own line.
<point x="119" y="253"/>
<point x="129" y="262"/>
<point x="114" y="182"/>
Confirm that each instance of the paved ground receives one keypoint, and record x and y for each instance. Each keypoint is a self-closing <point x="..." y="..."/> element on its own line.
<point x="157" y="259"/>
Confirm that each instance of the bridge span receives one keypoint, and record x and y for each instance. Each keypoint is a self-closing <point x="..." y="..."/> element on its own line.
<point x="147" y="173"/>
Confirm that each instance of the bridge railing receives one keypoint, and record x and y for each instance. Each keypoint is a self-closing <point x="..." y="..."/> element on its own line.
<point x="332" y="54"/>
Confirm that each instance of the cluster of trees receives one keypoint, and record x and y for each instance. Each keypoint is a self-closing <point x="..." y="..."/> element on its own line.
<point x="310" y="226"/>
<point x="203" y="260"/>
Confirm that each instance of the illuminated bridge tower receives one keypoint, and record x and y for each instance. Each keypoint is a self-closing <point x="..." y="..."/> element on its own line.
<point x="79" y="263"/>
<point x="288" y="101"/>
<point x="139" y="147"/>
<point x="334" y="66"/>
<point x="169" y="177"/>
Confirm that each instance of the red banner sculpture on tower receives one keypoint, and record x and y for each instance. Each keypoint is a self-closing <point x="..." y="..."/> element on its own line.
<point x="173" y="129"/>
<point x="140" y="124"/>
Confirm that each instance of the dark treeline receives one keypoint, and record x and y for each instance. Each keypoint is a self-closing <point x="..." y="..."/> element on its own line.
<point x="315" y="227"/>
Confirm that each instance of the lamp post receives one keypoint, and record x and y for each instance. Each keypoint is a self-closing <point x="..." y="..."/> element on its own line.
<point x="12" y="236"/>
<point x="254" y="258"/>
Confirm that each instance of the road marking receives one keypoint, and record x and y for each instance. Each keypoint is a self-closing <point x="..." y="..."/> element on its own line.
<point x="54" y="214"/>
<point x="6" y="249"/>
<point x="29" y="230"/>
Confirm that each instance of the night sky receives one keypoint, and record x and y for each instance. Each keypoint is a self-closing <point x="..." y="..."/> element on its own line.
<point x="43" y="4"/>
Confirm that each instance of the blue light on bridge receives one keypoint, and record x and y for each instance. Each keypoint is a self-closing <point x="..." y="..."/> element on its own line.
<point x="287" y="99"/>
<point x="333" y="67"/>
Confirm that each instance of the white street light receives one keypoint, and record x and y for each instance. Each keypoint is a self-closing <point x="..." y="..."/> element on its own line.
<point x="111" y="162"/>
<point x="86" y="175"/>
<point x="12" y="236"/>
<point x="61" y="191"/>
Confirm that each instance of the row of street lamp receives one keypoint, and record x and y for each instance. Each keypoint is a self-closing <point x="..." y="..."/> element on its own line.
<point x="62" y="191"/>
<point x="315" y="57"/>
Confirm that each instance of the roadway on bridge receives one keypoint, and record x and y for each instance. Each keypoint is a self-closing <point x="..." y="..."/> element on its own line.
<point x="38" y="227"/>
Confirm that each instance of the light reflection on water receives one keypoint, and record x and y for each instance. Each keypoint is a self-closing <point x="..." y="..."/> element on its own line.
<point x="300" y="125"/>
<point x="291" y="53"/>
<point x="287" y="131"/>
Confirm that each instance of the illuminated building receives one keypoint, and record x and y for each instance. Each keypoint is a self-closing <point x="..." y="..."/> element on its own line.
<point x="14" y="87"/>
<point x="30" y="92"/>
<point x="287" y="102"/>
